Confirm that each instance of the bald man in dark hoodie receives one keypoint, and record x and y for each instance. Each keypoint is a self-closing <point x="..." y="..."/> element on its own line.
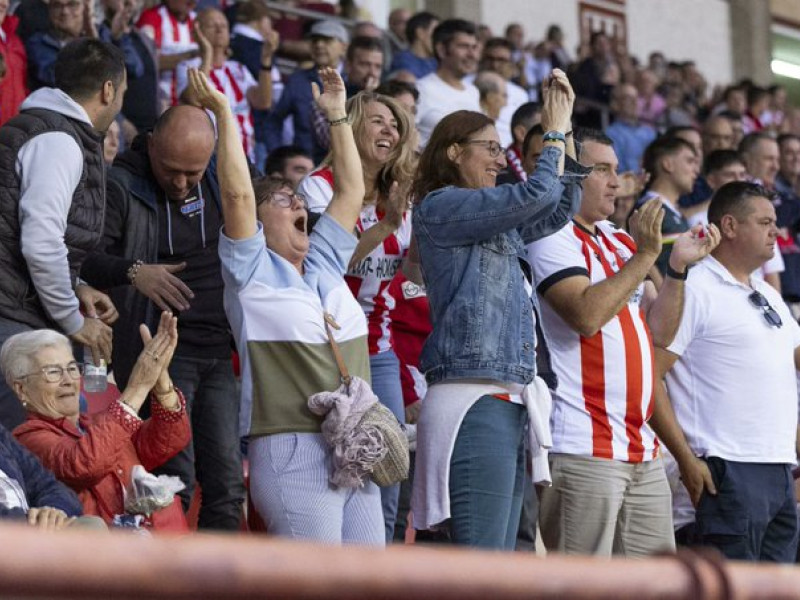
<point x="159" y="252"/>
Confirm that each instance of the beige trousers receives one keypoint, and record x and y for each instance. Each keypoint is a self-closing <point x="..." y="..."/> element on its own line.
<point x="604" y="507"/>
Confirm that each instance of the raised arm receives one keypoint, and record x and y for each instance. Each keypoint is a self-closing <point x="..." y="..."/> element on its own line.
<point x="348" y="189"/>
<point x="665" y="309"/>
<point x="235" y="185"/>
<point x="559" y="99"/>
<point x="395" y="207"/>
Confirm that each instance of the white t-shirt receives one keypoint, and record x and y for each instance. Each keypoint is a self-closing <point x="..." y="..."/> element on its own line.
<point x="605" y="382"/>
<point x="733" y="387"/>
<point x="438" y="99"/>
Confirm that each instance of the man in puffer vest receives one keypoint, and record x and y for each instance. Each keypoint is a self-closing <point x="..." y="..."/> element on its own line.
<point x="52" y="203"/>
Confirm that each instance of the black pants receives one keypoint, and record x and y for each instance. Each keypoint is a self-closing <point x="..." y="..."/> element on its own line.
<point x="213" y="457"/>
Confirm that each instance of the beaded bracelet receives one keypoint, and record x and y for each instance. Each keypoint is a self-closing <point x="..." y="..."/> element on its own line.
<point x="341" y="121"/>
<point x="133" y="271"/>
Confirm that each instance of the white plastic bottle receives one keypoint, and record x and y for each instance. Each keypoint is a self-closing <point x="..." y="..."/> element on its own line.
<point x="95" y="377"/>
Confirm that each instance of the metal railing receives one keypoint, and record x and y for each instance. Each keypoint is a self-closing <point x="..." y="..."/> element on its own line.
<point x="91" y="565"/>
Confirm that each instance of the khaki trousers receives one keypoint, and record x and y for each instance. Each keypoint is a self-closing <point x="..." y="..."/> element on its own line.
<point x="603" y="507"/>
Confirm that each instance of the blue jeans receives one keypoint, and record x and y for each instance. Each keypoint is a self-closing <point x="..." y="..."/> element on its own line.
<point x="213" y="457"/>
<point x="385" y="370"/>
<point x="11" y="411"/>
<point x="487" y="470"/>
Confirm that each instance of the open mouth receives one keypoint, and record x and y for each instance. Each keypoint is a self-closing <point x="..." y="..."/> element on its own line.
<point x="384" y="144"/>
<point x="300" y="223"/>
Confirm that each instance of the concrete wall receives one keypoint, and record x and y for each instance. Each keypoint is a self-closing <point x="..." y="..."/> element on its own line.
<point x="536" y="16"/>
<point x="684" y="30"/>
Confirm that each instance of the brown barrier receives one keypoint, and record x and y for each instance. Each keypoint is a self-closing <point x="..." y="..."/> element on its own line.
<point x="92" y="565"/>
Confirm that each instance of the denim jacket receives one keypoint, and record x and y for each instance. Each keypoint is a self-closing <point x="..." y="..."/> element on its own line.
<point x="472" y="248"/>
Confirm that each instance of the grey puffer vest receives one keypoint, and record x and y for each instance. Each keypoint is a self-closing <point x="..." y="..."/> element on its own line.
<point x="18" y="298"/>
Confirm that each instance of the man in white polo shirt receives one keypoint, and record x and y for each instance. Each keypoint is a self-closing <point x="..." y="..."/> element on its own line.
<point x="731" y="377"/>
<point x="609" y="492"/>
<point x="444" y="91"/>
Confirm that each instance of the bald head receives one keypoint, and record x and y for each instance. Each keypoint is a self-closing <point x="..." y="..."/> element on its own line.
<point x="717" y="134"/>
<point x="179" y="148"/>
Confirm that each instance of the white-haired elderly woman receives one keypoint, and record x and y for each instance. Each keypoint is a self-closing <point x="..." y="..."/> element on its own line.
<point x="95" y="454"/>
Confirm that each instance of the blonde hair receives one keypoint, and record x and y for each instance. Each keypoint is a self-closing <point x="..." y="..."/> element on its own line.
<point x="402" y="162"/>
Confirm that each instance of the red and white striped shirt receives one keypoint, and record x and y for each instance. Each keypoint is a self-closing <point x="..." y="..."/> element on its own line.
<point x="232" y="79"/>
<point x="411" y="326"/>
<point x="171" y="36"/>
<point x="369" y="280"/>
<point x="605" y="382"/>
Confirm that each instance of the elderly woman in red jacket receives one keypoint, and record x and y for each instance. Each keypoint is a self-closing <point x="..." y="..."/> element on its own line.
<point x="95" y="454"/>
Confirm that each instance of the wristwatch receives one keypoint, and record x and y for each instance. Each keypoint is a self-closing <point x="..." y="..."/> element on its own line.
<point x="554" y="136"/>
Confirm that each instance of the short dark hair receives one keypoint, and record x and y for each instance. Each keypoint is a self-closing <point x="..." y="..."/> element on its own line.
<point x="676" y="130"/>
<point x="720" y="159"/>
<point x="524" y="114"/>
<point x="587" y="134"/>
<point x="536" y="130"/>
<point x="658" y="149"/>
<point x="787" y="137"/>
<point x="596" y="35"/>
<point x="363" y="42"/>
<point x="447" y="30"/>
<point x="755" y="94"/>
<point x="751" y="140"/>
<point x="394" y="88"/>
<point x="733" y="199"/>
<point x="84" y="65"/>
<point x="251" y="10"/>
<point x="497" y="42"/>
<point x="277" y="159"/>
<point x="420" y="20"/>
<point x="730" y="90"/>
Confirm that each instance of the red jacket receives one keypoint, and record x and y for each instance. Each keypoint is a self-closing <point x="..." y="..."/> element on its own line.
<point x="13" y="88"/>
<point x="97" y="464"/>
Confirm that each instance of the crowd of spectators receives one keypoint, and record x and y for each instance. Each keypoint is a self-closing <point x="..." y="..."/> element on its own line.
<point x="147" y="150"/>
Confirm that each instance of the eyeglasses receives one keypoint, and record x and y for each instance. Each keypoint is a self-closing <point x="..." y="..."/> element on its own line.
<point x="772" y="317"/>
<point x="285" y="200"/>
<point x="59" y="6"/>
<point x="54" y="373"/>
<point x="493" y="147"/>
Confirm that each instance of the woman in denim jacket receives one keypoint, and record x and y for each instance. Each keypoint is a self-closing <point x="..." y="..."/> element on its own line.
<point x="481" y="353"/>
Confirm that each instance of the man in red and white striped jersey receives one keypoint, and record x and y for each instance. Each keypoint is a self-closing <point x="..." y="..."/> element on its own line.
<point x="599" y="317"/>
<point x="170" y="25"/>
<point x="230" y="77"/>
